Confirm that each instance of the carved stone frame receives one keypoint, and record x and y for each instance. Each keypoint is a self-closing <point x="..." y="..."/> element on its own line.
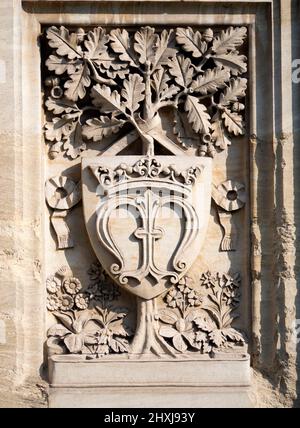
<point x="270" y="136"/>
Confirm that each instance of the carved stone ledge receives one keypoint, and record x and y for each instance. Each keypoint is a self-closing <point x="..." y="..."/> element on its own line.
<point x="122" y="382"/>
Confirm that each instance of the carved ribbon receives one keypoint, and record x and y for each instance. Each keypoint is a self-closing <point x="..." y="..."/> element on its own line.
<point x="62" y="194"/>
<point x="229" y="197"/>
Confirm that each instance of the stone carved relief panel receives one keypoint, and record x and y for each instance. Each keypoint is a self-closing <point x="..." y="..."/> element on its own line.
<point x="152" y="123"/>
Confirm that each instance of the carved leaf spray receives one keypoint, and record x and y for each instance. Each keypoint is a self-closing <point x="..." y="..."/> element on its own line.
<point x="124" y="84"/>
<point x="106" y="81"/>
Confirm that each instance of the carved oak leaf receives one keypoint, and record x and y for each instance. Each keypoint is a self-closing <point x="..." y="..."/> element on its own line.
<point x="229" y="39"/>
<point x="96" y="129"/>
<point x="165" y="49"/>
<point x="218" y="133"/>
<point x="58" y="128"/>
<point x="118" y="344"/>
<point x="234" y="122"/>
<point x="133" y="92"/>
<point x="96" y="45"/>
<point x="197" y="115"/>
<point x="160" y="80"/>
<point x="114" y="63"/>
<point x="120" y="44"/>
<point x="183" y="129"/>
<point x="180" y="68"/>
<point x="105" y="99"/>
<point x="191" y="41"/>
<point x="61" y="105"/>
<point x="60" y="64"/>
<point x="145" y="44"/>
<point x="236" y="63"/>
<point x="211" y="81"/>
<point x="113" y="67"/>
<point x="237" y="89"/>
<point x="75" y="144"/>
<point x="77" y="84"/>
<point x="64" y="42"/>
<point x="160" y="85"/>
<point x="169" y="92"/>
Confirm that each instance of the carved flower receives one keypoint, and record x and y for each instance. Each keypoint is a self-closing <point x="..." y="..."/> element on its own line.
<point x="96" y="272"/>
<point x="82" y="301"/>
<point x="71" y="330"/>
<point x="207" y="280"/>
<point x="67" y="302"/>
<point x="109" y="292"/>
<point x="185" y="285"/>
<point x="53" y="303"/>
<point x="53" y="284"/>
<point x="194" y="299"/>
<point x="72" y="285"/>
<point x="103" y="291"/>
<point x="231" y="195"/>
<point x="174" y="298"/>
<point x="179" y="330"/>
<point x="112" y="336"/>
<point x="183" y="295"/>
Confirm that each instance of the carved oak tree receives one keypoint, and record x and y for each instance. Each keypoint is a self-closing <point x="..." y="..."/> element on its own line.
<point x="108" y="80"/>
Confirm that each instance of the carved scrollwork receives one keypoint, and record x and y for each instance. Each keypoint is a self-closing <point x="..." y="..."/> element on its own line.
<point x="145" y="168"/>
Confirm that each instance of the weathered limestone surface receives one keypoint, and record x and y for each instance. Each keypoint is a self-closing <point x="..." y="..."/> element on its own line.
<point x="35" y="240"/>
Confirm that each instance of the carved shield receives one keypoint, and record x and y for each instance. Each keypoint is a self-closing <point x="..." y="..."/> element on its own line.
<point x="146" y="217"/>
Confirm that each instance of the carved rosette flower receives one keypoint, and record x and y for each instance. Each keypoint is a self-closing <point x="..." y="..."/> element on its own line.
<point x="67" y="302"/>
<point x="231" y="195"/>
<point x="53" y="284"/>
<point x="72" y="285"/>
<point x="53" y="303"/>
<point x="82" y="301"/>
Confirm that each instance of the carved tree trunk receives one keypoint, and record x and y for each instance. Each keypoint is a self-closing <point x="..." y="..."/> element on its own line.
<point x="147" y="339"/>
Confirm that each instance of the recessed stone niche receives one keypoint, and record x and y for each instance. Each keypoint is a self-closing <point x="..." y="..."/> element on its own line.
<point x="150" y="124"/>
<point x="154" y="222"/>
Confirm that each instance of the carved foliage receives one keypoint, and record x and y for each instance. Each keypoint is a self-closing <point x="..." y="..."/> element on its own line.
<point x="109" y="79"/>
<point x="88" y="322"/>
<point x="200" y="318"/>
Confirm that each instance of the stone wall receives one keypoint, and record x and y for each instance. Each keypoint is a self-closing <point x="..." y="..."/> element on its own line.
<point x="274" y="169"/>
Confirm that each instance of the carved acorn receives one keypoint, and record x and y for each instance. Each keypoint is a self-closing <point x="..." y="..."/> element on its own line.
<point x="52" y="81"/>
<point x="57" y="92"/>
<point x="80" y="34"/>
<point x="54" y="150"/>
<point x="208" y="35"/>
<point x="237" y="107"/>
